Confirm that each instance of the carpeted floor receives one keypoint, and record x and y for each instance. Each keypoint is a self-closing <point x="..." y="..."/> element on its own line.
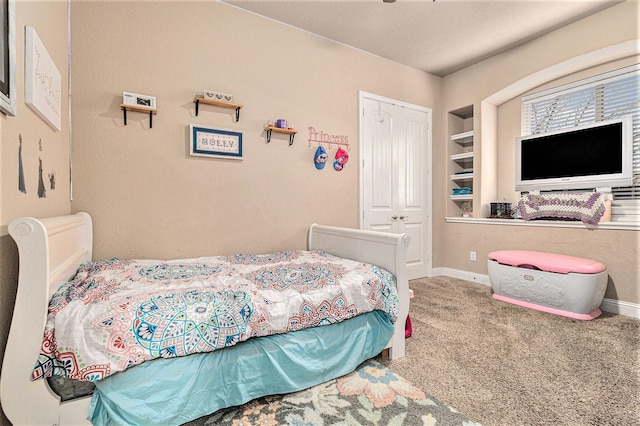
<point x="502" y="364"/>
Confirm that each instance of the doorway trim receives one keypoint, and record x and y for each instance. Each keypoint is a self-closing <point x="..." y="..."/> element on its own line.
<point x="362" y="95"/>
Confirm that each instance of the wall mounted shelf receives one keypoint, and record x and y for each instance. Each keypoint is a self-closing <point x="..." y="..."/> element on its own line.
<point x="289" y="132"/>
<point x="199" y="99"/>
<point x="150" y="111"/>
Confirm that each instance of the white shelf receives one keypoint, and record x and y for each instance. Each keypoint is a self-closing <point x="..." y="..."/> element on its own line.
<point x="465" y="197"/>
<point x="463" y="157"/>
<point x="464" y="135"/>
<point x="624" y="226"/>
<point x="462" y="176"/>
<point x="465" y="138"/>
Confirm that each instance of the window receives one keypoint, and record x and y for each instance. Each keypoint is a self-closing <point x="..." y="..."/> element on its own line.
<point x="603" y="97"/>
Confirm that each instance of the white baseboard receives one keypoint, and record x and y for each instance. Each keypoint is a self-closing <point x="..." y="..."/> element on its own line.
<point x="462" y="275"/>
<point x="608" y="305"/>
<point x="621" y="308"/>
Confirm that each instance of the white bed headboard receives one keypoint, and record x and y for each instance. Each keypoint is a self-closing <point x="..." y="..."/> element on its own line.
<point x="50" y="251"/>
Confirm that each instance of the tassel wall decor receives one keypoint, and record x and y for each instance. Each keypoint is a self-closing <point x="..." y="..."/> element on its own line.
<point x="21" y="184"/>
<point x="42" y="192"/>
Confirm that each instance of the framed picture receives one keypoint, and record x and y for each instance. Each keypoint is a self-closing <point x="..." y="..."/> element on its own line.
<point x="135" y="99"/>
<point x="211" y="142"/>
<point x="8" y="57"/>
<point x="42" y="80"/>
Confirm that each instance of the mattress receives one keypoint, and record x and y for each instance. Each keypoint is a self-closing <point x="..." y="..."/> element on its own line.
<point x="175" y="391"/>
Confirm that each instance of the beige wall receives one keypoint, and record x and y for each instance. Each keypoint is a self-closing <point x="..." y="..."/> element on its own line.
<point x="50" y="22"/>
<point x="617" y="249"/>
<point x="147" y="196"/>
<point x="49" y="18"/>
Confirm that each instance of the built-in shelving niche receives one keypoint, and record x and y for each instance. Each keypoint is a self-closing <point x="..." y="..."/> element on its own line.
<point x="460" y="145"/>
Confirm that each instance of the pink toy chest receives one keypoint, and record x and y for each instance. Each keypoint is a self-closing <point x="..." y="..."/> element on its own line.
<point x="554" y="283"/>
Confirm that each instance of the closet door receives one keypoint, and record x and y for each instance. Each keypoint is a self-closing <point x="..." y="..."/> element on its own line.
<point x="395" y="166"/>
<point x="379" y="167"/>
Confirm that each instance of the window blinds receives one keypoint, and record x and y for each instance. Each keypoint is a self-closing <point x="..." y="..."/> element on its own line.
<point x="603" y="97"/>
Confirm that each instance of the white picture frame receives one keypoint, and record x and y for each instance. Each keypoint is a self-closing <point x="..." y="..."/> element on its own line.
<point x="207" y="141"/>
<point x="213" y="95"/>
<point x="42" y="81"/>
<point x="138" y="100"/>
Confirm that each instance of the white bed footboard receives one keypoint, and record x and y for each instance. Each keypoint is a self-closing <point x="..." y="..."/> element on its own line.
<point x="382" y="249"/>
<point x="52" y="249"/>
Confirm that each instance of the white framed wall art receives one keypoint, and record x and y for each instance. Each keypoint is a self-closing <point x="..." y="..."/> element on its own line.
<point x="42" y="80"/>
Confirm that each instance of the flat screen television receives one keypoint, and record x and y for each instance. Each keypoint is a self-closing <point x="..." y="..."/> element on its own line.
<point x="585" y="157"/>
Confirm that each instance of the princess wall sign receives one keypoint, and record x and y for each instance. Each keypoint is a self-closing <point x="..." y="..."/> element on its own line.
<point x="323" y="139"/>
<point x="327" y="139"/>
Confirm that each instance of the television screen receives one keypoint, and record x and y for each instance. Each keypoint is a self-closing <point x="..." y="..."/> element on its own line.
<point x="584" y="157"/>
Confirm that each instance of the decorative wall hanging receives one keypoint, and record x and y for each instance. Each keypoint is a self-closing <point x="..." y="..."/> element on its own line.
<point x="327" y="139"/>
<point x="22" y="187"/>
<point x="43" y="83"/>
<point x="320" y="158"/>
<point x="341" y="159"/>
<point x="211" y="142"/>
<point x="8" y="57"/>
<point x="42" y="192"/>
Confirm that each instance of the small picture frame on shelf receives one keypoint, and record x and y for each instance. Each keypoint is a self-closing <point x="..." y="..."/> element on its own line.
<point x="214" y="95"/>
<point x="217" y="143"/>
<point x="137" y="100"/>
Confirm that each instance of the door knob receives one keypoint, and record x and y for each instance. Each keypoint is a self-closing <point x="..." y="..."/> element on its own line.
<point x="394" y="217"/>
<point x="404" y="217"/>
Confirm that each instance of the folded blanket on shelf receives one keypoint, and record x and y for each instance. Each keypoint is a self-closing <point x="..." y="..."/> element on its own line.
<point x="588" y="207"/>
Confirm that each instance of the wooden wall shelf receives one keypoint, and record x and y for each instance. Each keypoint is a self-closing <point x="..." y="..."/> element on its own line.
<point x="199" y="99"/>
<point x="290" y="132"/>
<point x="150" y="111"/>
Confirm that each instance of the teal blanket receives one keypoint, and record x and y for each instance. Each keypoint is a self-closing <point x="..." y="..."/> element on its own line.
<point x="175" y="391"/>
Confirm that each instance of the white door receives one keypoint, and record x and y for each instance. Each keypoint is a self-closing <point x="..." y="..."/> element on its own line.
<point x="395" y="140"/>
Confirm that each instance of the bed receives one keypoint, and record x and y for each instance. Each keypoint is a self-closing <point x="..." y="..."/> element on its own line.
<point x="51" y="251"/>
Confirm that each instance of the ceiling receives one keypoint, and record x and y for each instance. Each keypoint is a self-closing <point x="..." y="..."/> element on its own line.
<point x="439" y="37"/>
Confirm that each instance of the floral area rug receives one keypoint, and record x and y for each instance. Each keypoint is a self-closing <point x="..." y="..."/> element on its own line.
<point x="371" y="395"/>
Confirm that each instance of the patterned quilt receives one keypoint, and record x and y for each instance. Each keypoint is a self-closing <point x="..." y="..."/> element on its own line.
<point x="119" y="313"/>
